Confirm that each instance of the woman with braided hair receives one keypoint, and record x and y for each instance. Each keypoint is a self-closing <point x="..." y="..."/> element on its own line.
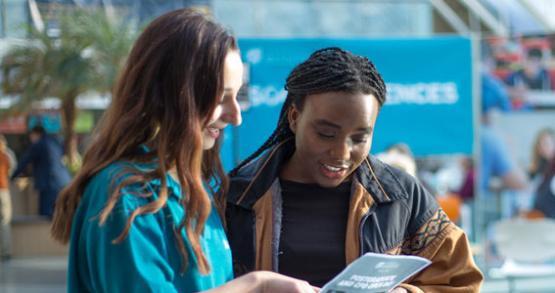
<point x="311" y="199"/>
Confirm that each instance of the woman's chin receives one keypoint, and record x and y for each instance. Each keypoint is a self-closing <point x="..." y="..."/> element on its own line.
<point x="208" y="142"/>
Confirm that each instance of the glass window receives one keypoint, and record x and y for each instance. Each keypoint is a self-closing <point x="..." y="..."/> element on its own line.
<point x="14" y="18"/>
<point x="250" y="18"/>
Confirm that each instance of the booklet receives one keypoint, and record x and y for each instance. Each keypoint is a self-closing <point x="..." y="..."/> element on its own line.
<point x="375" y="272"/>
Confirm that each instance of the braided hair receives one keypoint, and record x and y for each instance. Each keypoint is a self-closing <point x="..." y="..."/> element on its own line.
<point x="326" y="70"/>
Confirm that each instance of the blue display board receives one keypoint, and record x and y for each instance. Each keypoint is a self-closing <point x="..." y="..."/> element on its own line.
<point x="429" y="81"/>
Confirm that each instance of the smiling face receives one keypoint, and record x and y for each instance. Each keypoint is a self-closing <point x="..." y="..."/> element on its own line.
<point x="228" y="110"/>
<point x="333" y="135"/>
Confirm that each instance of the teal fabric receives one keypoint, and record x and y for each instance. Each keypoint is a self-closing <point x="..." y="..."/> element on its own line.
<point x="148" y="260"/>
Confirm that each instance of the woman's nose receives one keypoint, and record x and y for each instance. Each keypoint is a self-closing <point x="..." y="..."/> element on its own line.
<point x="232" y="113"/>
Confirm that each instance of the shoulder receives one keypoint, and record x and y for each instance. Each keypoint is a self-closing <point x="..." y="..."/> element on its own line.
<point x="268" y="163"/>
<point x="105" y="190"/>
<point x="108" y="181"/>
<point x="395" y="182"/>
<point x="253" y="178"/>
<point x="241" y="180"/>
<point x="402" y="187"/>
<point x="249" y="170"/>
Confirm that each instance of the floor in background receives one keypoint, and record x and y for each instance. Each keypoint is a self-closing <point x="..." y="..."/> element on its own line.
<point x="45" y="275"/>
<point x="48" y="274"/>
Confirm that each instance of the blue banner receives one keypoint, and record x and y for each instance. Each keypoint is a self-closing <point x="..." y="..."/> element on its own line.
<point x="429" y="83"/>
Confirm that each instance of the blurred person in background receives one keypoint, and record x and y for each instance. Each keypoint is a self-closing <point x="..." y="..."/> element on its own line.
<point x="499" y="177"/>
<point x="466" y="190"/>
<point x="7" y="163"/>
<point x="140" y="214"/>
<point x="466" y="193"/>
<point x="532" y="76"/>
<point x="545" y="193"/>
<point x="494" y="94"/>
<point x="543" y="152"/>
<point x="50" y="175"/>
<point x="311" y="199"/>
<point x="495" y="160"/>
<point x="400" y="156"/>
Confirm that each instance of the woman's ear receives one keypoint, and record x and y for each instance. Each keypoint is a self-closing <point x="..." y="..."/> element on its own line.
<point x="293" y="117"/>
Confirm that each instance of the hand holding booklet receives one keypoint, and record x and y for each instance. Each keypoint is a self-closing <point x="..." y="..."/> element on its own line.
<point x="374" y="272"/>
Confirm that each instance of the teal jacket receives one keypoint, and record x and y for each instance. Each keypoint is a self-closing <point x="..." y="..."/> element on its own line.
<point x="148" y="260"/>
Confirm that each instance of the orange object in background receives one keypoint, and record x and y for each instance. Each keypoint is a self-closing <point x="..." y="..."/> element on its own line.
<point x="451" y="204"/>
<point x="532" y="215"/>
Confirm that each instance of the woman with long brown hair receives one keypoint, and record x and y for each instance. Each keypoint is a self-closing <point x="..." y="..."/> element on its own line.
<point x="138" y="215"/>
<point x="542" y="153"/>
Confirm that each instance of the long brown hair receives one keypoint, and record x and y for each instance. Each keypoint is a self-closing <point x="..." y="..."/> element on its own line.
<point x="164" y="98"/>
<point x="539" y="164"/>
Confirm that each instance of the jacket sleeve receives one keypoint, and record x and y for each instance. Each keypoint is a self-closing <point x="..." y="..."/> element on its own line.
<point x="29" y="156"/>
<point x="452" y="269"/>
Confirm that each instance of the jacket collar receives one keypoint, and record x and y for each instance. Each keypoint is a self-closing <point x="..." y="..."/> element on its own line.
<point x="255" y="178"/>
<point x="380" y="181"/>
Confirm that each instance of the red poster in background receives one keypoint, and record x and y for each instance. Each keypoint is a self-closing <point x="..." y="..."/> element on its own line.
<point x="13" y="125"/>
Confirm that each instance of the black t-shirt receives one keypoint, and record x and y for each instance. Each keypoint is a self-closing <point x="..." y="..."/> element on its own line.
<point x="545" y="197"/>
<point x="314" y="223"/>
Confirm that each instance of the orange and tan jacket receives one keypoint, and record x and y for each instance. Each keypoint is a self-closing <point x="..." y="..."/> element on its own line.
<point x="389" y="213"/>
